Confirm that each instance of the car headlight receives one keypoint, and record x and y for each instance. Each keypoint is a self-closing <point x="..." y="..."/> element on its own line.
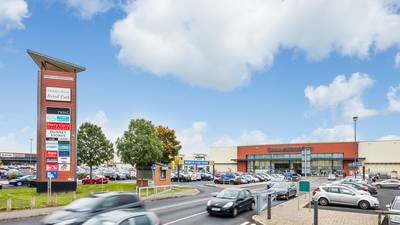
<point x="227" y="205"/>
<point x="66" y="222"/>
<point x="209" y="203"/>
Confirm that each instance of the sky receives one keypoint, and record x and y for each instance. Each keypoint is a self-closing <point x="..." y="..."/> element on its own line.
<point x="221" y="73"/>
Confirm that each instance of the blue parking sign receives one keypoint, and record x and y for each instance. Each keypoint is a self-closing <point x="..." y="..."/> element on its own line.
<point x="153" y="168"/>
<point x="51" y="174"/>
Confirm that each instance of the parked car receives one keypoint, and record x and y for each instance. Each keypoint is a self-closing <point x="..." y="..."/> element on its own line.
<point x="284" y="190"/>
<point x="364" y="187"/>
<point x="81" y="210"/>
<point x="331" y="177"/>
<point x="231" y="201"/>
<point x="206" y="176"/>
<point x="252" y="179"/>
<point x="354" y="179"/>
<point x="394" y="206"/>
<point x="96" y="180"/>
<point x="1" y="186"/>
<point x="337" y="194"/>
<point x="25" y="180"/>
<point x="389" y="183"/>
<point x="125" y="217"/>
<point x="227" y="178"/>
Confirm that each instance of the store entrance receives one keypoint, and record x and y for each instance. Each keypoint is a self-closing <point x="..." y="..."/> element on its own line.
<point x="281" y="167"/>
<point x="297" y="167"/>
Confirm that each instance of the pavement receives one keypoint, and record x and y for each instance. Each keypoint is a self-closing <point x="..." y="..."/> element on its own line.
<point x="293" y="212"/>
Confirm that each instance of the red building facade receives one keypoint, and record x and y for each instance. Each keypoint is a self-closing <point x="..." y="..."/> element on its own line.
<point x="317" y="159"/>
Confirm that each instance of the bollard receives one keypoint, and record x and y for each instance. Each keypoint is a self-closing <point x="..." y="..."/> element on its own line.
<point x="74" y="195"/>
<point x="56" y="199"/>
<point x="315" y="212"/>
<point x="258" y="203"/>
<point x="269" y="207"/>
<point x="33" y="202"/>
<point x="8" y="204"/>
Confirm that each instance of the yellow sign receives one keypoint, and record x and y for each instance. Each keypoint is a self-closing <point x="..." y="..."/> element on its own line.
<point x="211" y="163"/>
<point x="180" y="162"/>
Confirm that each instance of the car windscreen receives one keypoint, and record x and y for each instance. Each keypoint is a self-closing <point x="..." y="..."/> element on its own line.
<point x="227" y="193"/>
<point x="396" y="205"/>
<point x="83" y="204"/>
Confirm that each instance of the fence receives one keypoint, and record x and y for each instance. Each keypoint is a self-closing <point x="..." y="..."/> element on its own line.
<point x="385" y="213"/>
<point x="146" y="191"/>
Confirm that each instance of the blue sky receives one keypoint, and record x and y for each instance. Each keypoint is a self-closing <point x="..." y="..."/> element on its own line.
<point x="219" y="74"/>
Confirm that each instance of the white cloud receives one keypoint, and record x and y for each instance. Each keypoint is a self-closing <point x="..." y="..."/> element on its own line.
<point x="12" y="12"/>
<point x="397" y="60"/>
<point x="344" y="93"/>
<point x="390" y="137"/>
<point x="100" y="118"/>
<point x="393" y="97"/>
<point x="340" y="132"/>
<point x="25" y="129"/>
<point x="89" y="8"/>
<point x="253" y="137"/>
<point x="9" y="142"/>
<point x="192" y="140"/>
<point x="218" y="44"/>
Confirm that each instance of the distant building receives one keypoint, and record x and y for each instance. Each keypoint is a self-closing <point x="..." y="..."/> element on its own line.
<point x="16" y="158"/>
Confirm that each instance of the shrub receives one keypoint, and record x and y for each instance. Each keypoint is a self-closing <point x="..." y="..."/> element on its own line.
<point x="12" y="176"/>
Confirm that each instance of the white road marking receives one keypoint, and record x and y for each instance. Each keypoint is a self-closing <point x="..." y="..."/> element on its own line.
<point x="185" y="218"/>
<point x="179" y="204"/>
<point x="245" y="223"/>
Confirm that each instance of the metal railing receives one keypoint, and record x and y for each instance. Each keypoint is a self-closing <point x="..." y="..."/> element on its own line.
<point x="263" y="200"/>
<point x="155" y="189"/>
<point x="385" y="213"/>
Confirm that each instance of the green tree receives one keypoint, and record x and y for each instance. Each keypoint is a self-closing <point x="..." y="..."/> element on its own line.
<point x="140" y="145"/>
<point x="94" y="148"/>
<point x="171" y="145"/>
<point x="1" y="163"/>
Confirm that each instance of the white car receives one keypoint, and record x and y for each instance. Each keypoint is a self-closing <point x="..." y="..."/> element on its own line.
<point x="389" y="183"/>
<point x="343" y="195"/>
<point x="331" y="176"/>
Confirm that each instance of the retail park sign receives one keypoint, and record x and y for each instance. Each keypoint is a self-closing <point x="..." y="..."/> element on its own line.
<point x="284" y="149"/>
<point x="58" y="94"/>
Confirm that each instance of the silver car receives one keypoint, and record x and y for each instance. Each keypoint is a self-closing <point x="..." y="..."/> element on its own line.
<point x="389" y="183"/>
<point x="343" y="195"/>
<point x="394" y="207"/>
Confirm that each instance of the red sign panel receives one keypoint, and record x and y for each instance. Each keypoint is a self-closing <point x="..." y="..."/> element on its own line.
<point x="52" y="167"/>
<point x="57" y="126"/>
<point x="51" y="154"/>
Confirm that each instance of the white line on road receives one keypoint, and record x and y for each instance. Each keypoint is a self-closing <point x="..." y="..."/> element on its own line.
<point x="185" y="218"/>
<point x="245" y="223"/>
<point x="179" y="204"/>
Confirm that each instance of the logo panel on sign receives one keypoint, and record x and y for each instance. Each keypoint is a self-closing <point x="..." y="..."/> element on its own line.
<point x="52" y="167"/>
<point x="64" y="159"/>
<point x="63" y="153"/>
<point x="57" y="126"/>
<point x="65" y="167"/>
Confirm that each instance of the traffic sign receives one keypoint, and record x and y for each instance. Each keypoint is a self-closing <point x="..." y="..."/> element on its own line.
<point x="153" y="168"/>
<point x="51" y="174"/>
<point x="304" y="186"/>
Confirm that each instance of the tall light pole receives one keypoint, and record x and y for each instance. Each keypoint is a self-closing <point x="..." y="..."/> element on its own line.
<point x="355" y="143"/>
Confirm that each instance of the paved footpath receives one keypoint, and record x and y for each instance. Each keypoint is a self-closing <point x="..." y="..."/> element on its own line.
<point x="289" y="213"/>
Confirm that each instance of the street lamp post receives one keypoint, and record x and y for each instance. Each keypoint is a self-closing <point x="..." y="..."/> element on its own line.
<point x="355" y="142"/>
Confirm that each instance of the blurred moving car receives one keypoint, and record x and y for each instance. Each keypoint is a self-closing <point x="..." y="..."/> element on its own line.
<point x="125" y="217"/>
<point x="283" y="190"/>
<point x="394" y="206"/>
<point x="389" y="183"/>
<point x="25" y="180"/>
<point x="96" y="180"/>
<point x="231" y="201"/>
<point x="331" y="177"/>
<point x="81" y="210"/>
<point x="336" y="194"/>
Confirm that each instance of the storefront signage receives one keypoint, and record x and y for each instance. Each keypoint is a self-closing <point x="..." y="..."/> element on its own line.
<point x="12" y="155"/>
<point x="61" y="135"/>
<point x="51" y="154"/>
<point x="284" y="149"/>
<point x="196" y="162"/>
<point x="57" y="118"/>
<point x="57" y="126"/>
<point x="58" y="94"/>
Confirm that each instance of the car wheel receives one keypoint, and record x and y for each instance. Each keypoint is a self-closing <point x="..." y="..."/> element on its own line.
<point x="323" y="201"/>
<point x="379" y="186"/>
<point x="234" y="212"/>
<point x="19" y="184"/>
<point x="252" y="206"/>
<point x="363" y="205"/>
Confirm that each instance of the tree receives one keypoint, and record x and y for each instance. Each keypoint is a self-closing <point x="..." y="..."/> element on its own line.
<point x="94" y="148"/>
<point x="1" y="163"/>
<point x="140" y="145"/>
<point x="171" y="145"/>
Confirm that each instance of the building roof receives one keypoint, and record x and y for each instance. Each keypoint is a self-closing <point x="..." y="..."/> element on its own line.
<point x="50" y="63"/>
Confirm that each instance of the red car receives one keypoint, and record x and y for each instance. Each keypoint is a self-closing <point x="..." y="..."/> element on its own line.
<point x="96" y="180"/>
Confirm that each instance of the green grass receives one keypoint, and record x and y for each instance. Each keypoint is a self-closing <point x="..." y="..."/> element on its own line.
<point x="21" y="197"/>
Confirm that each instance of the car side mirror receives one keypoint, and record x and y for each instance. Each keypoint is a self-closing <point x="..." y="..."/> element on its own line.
<point x="214" y="194"/>
<point x="388" y="206"/>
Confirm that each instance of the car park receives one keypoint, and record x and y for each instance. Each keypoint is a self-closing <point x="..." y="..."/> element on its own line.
<point x="342" y="195"/>
<point x="283" y="190"/>
<point x="394" y="206"/>
<point x="389" y="183"/>
<point x="125" y="217"/>
<point x="81" y="210"/>
<point x="231" y="201"/>
<point x="25" y="180"/>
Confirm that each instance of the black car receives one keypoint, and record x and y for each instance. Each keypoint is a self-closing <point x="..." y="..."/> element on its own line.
<point x="363" y="187"/>
<point x="283" y="190"/>
<point x="22" y="181"/>
<point x="231" y="201"/>
<point x="81" y="210"/>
